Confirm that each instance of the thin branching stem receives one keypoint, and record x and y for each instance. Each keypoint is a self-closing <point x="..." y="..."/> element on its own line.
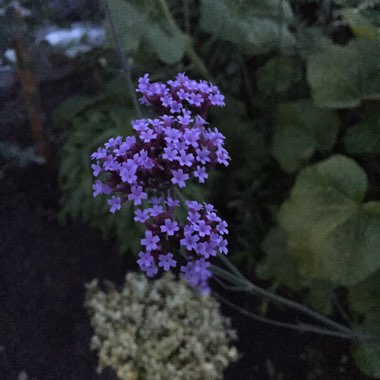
<point x="303" y="328"/>
<point x="123" y="59"/>
<point x="238" y="279"/>
<point x="190" y="51"/>
<point x="186" y="16"/>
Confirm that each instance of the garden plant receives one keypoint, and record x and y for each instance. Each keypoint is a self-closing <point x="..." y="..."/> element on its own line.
<point x="301" y="125"/>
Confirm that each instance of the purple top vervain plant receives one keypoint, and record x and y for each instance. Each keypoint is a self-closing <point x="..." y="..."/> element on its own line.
<point x="166" y="152"/>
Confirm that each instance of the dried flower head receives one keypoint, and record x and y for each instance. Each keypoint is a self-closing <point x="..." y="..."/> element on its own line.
<point x="159" y="330"/>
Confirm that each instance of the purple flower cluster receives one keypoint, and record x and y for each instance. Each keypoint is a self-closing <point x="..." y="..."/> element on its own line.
<point x="176" y="96"/>
<point x="164" y="152"/>
<point x="199" y="237"/>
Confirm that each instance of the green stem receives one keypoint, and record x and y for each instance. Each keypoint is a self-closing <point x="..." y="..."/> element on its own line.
<point x="239" y="279"/>
<point x="186" y="16"/>
<point x="123" y="59"/>
<point x="192" y="54"/>
<point x="300" y="327"/>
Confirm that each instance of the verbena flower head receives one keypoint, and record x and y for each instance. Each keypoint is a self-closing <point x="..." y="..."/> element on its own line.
<point x="166" y="152"/>
<point x="197" y="239"/>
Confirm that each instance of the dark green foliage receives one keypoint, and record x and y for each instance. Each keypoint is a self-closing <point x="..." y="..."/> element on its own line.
<point x="302" y="127"/>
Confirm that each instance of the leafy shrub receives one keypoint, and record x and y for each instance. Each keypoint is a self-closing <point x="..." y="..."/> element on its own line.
<point x="159" y="330"/>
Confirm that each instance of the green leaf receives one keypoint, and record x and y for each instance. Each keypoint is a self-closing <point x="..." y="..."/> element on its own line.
<point x="363" y="23"/>
<point x="319" y="295"/>
<point x="278" y="74"/>
<point x="331" y="232"/>
<point x="367" y="354"/>
<point x="88" y="131"/>
<point x="143" y="22"/>
<point x="277" y="265"/>
<point x="256" y="27"/>
<point x="72" y="106"/>
<point x="302" y="129"/>
<point x="365" y="296"/>
<point x="343" y="76"/>
<point x="364" y="138"/>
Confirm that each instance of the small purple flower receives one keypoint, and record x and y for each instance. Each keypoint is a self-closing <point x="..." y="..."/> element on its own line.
<point x="172" y="202"/>
<point x="115" y="203"/>
<point x="113" y="142"/>
<point x="175" y="107"/>
<point x="222" y="227"/>
<point x="168" y="120"/>
<point x="98" y="188"/>
<point x="99" y="154"/>
<point x="146" y="259"/>
<point x="182" y="94"/>
<point x="209" y="207"/>
<point x="217" y="99"/>
<point x="156" y="210"/>
<point x="196" y="99"/>
<point x="222" y="246"/>
<point x="155" y="200"/>
<point x="166" y="261"/>
<point x="169" y="227"/>
<point x="189" y="241"/>
<point x="193" y="217"/>
<point x="148" y="135"/>
<point x="202" y="228"/>
<point x="179" y="178"/>
<point x="141" y="215"/>
<point x="96" y="169"/>
<point x="201" y="266"/>
<point x="185" y="119"/>
<point x="128" y="174"/>
<point x="170" y="154"/>
<point x="140" y="125"/>
<point x="191" y="137"/>
<point x="213" y="217"/>
<point x="172" y="135"/>
<point x="185" y="159"/>
<point x="193" y="205"/>
<point x="203" y="155"/>
<point x="201" y="174"/>
<point x="137" y="195"/>
<point x="150" y="271"/>
<point x="222" y="157"/>
<point x="150" y="241"/>
<point x="143" y="84"/>
<point x="166" y="100"/>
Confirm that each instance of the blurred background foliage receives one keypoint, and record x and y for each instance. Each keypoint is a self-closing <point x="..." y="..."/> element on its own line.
<point x="302" y="126"/>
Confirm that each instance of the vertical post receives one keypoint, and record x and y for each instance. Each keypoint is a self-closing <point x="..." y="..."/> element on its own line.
<point x="29" y="86"/>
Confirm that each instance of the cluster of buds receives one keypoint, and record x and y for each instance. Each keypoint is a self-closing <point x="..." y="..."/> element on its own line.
<point x="163" y="153"/>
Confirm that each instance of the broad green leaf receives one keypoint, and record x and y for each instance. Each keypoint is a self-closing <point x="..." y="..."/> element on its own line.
<point x="277" y="265"/>
<point x="343" y="76"/>
<point x="364" y="138"/>
<point x="319" y="295"/>
<point x="331" y="232"/>
<point x="362" y="23"/>
<point x="311" y="41"/>
<point x="367" y="354"/>
<point x="365" y="296"/>
<point x="143" y="22"/>
<point x="278" y="74"/>
<point x="301" y="129"/>
<point x="256" y="26"/>
<point x="283" y="268"/>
